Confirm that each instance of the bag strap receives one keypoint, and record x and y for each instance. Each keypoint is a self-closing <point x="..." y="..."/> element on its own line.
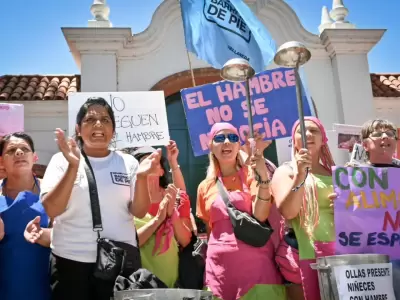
<point x="94" y="196"/>
<point x="94" y="199"/>
<point x="224" y="194"/>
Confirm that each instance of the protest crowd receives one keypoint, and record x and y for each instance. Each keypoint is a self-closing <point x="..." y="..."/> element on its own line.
<point x="146" y="212"/>
<point x="106" y="219"/>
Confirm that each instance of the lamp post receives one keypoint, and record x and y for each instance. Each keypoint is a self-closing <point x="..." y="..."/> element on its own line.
<point x="293" y="55"/>
<point x="239" y="70"/>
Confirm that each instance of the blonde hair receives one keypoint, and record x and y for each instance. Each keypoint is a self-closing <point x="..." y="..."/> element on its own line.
<point x="309" y="210"/>
<point x="213" y="168"/>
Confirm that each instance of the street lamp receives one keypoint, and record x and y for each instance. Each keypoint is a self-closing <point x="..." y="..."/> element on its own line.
<point x="239" y="70"/>
<point x="293" y="55"/>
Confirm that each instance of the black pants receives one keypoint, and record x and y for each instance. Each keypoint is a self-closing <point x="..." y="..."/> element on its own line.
<point x="74" y="280"/>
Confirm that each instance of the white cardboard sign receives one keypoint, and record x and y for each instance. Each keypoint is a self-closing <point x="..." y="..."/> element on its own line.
<point x="365" y="282"/>
<point x="141" y="117"/>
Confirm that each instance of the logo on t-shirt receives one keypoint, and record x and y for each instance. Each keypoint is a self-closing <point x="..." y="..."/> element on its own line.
<point x="120" y="178"/>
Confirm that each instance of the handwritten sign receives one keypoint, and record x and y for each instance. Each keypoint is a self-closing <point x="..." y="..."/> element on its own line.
<point x="365" y="282"/>
<point x="274" y="106"/>
<point x="368" y="201"/>
<point x="11" y="118"/>
<point x="359" y="155"/>
<point x="140" y="117"/>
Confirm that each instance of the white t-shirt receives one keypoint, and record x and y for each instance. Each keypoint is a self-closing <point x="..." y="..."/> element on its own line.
<point x="73" y="236"/>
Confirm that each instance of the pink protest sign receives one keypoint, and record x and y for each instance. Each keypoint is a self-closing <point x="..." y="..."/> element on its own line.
<point x="11" y="118"/>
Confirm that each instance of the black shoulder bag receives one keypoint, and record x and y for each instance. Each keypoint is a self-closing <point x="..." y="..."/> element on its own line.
<point x="113" y="258"/>
<point x="245" y="227"/>
<point x="192" y="264"/>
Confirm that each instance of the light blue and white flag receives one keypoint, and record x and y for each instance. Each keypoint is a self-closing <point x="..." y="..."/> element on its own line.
<point x="219" y="30"/>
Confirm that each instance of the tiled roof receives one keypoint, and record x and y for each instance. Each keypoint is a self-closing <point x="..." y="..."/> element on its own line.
<point x="385" y="85"/>
<point x="57" y="87"/>
<point x="38" y="87"/>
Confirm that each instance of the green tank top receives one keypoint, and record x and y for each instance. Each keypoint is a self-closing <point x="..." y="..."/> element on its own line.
<point x="325" y="230"/>
<point x="164" y="266"/>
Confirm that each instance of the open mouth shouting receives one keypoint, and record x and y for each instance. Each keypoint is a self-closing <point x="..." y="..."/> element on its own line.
<point x="226" y="152"/>
<point x="98" y="135"/>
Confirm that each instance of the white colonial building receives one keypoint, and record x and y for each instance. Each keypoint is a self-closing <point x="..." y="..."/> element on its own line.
<point x="113" y="59"/>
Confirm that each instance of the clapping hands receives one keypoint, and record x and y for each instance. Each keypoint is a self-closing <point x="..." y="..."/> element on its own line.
<point x="33" y="232"/>
<point x="68" y="148"/>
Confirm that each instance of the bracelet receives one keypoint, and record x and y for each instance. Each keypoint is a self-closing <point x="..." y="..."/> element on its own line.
<point x="296" y="188"/>
<point x="259" y="181"/>
<point x="265" y="200"/>
<point x="174" y="169"/>
<point x="266" y="182"/>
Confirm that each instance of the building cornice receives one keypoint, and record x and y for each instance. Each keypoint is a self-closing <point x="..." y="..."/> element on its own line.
<point x="278" y="17"/>
<point x="350" y="41"/>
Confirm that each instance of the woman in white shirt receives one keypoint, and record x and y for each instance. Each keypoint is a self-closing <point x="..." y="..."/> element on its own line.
<point x="123" y="193"/>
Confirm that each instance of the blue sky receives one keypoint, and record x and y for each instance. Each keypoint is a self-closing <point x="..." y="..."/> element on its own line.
<point x="31" y="41"/>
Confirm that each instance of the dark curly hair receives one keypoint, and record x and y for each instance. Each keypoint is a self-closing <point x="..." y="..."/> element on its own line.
<point x="165" y="179"/>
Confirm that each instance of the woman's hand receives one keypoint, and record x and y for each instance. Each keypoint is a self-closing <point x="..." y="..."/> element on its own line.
<point x="69" y="149"/>
<point x="171" y="193"/>
<point x="303" y="160"/>
<point x="332" y="197"/>
<point x="259" y="143"/>
<point x="162" y="211"/>
<point x="33" y="232"/>
<point x="2" y="232"/>
<point x="172" y="154"/>
<point x="150" y="165"/>
<point x="257" y="163"/>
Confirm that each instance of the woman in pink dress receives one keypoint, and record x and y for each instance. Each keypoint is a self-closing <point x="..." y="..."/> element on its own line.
<point x="234" y="269"/>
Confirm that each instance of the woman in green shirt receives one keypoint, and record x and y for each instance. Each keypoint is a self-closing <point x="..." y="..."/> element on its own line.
<point x="304" y="199"/>
<point x="167" y="224"/>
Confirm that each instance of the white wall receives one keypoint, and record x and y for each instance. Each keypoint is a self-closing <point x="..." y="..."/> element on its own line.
<point x="41" y="119"/>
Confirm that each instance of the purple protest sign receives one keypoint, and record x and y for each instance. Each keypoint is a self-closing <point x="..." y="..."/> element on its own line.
<point x="367" y="215"/>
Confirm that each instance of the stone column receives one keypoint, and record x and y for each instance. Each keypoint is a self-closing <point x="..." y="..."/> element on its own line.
<point x="348" y="50"/>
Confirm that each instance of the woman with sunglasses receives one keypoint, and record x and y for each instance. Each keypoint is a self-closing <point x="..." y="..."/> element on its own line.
<point x="235" y="270"/>
<point x="24" y="267"/>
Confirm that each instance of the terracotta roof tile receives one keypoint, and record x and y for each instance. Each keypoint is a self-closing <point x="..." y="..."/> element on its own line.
<point x="38" y="87"/>
<point x="51" y="87"/>
<point x="385" y="85"/>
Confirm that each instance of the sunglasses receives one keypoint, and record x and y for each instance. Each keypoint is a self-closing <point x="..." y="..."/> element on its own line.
<point x="232" y="138"/>
<point x="379" y="134"/>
